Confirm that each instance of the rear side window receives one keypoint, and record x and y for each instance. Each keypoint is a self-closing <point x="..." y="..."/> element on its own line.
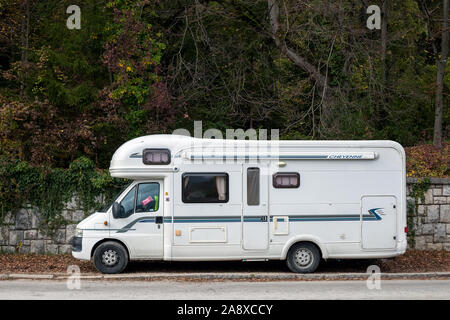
<point x="156" y="156"/>
<point x="253" y="186"/>
<point x="205" y="187"/>
<point x="286" y="180"/>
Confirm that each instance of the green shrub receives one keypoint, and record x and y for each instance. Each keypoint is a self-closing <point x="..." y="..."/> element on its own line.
<point x="49" y="189"/>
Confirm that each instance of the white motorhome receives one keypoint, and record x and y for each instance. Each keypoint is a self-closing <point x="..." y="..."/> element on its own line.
<point x="210" y="199"/>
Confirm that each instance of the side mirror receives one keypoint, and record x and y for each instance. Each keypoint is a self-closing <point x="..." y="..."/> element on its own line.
<point x="116" y="210"/>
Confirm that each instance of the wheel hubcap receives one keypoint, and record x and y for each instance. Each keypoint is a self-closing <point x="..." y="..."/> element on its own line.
<point x="303" y="257"/>
<point x="110" y="258"/>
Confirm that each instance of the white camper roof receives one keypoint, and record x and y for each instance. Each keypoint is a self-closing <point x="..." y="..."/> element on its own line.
<point x="127" y="160"/>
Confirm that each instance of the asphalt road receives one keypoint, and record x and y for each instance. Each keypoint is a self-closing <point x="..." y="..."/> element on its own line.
<point x="104" y="290"/>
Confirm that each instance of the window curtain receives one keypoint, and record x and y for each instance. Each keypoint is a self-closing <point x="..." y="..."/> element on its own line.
<point x="221" y="187"/>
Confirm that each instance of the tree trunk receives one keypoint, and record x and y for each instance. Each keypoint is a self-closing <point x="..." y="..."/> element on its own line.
<point x="297" y="59"/>
<point x="380" y="105"/>
<point x="25" y="30"/>
<point x="441" y="64"/>
<point x="384" y="18"/>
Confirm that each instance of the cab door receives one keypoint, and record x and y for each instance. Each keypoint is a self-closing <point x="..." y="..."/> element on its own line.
<point x="140" y="225"/>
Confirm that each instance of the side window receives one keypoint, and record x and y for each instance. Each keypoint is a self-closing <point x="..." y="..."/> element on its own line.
<point x="127" y="204"/>
<point x="205" y="187"/>
<point x="147" y="197"/>
<point x="253" y="186"/>
<point x="156" y="156"/>
<point x="286" y="180"/>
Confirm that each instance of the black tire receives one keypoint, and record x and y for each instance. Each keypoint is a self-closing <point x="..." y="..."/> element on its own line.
<point x="303" y="258"/>
<point x="110" y="257"/>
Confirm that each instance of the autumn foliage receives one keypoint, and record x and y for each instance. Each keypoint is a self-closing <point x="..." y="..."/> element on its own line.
<point x="427" y="161"/>
<point x="147" y="66"/>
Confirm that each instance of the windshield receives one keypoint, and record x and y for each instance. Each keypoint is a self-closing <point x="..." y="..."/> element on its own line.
<point x="105" y="208"/>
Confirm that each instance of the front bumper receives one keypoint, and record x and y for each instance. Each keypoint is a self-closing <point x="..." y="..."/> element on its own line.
<point x="77" y="244"/>
<point x="82" y="247"/>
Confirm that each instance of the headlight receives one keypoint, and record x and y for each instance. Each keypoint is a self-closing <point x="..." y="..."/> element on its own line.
<point x="78" y="232"/>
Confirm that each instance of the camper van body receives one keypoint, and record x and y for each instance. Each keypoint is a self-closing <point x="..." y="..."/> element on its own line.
<point x="347" y="199"/>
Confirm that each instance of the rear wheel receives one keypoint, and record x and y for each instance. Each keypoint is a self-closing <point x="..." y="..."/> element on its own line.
<point x="110" y="257"/>
<point x="303" y="258"/>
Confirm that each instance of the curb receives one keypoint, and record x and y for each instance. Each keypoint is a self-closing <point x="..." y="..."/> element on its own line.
<point x="28" y="276"/>
<point x="232" y="276"/>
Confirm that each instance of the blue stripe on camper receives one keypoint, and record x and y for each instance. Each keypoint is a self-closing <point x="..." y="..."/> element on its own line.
<point x="146" y="220"/>
<point x="372" y="211"/>
<point x="372" y="216"/>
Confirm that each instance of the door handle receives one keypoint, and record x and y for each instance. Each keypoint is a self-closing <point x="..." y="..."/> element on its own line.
<point x="158" y="220"/>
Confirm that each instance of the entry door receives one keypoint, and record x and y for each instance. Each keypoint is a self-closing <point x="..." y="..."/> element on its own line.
<point x="141" y="228"/>
<point x="255" y="213"/>
<point x="379" y="222"/>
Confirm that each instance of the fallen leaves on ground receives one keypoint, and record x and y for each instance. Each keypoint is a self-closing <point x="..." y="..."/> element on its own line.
<point x="418" y="261"/>
<point x="411" y="261"/>
<point x="41" y="263"/>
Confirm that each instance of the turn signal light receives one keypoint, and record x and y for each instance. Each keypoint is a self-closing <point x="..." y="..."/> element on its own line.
<point x="406" y="229"/>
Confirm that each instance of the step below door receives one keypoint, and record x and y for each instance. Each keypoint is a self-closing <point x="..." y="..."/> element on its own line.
<point x="379" y="222"/>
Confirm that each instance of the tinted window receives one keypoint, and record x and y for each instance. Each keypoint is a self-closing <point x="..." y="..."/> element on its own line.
<point x="286" y="180"/>
<point x="148" y="197"/>
<point x="127" y="204"/>
<point x="205" y="187"/>
<point x="253" y="186"/>
<point x="156" y="156"/>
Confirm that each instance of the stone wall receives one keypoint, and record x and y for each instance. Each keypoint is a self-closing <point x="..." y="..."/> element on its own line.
<point x="24" y="231"/>
<point x="432" y="224"/>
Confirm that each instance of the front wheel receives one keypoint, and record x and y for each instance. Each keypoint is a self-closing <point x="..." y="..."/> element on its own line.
<point x="303" y="258"/>
<point x="110" y="257"/>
